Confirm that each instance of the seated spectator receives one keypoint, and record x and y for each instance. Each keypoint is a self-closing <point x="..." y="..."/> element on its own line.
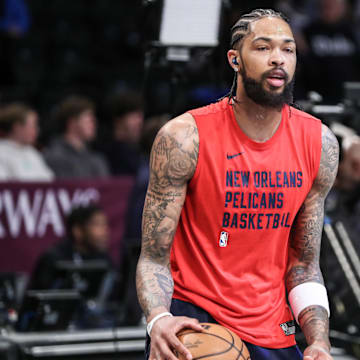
<point x="19" y="159"/>
<point x="348" y="177"/>
<point x="127" y="116"/>
<point x="69" y="155"/>
<point x="85" y="245"/>
<point x="333" y="52"/>
<point x="343" y="201"/>
<point x="86" y="239"/>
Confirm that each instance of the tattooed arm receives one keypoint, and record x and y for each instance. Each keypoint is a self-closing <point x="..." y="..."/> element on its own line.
<point x="172" y="164"/>
<point x="304" y="251"/>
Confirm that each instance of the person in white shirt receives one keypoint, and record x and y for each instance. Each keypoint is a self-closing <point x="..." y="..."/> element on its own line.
<point x="19" y="159"/>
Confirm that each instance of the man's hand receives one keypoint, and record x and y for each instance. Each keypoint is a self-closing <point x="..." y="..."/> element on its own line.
<point x="163" y="337"/>
<point x="317" y="352"/>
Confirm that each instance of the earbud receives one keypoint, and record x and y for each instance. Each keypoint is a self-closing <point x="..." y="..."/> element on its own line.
<point x="234" y="61"/>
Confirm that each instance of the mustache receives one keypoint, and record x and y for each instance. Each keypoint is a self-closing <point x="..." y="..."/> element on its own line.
<point x="271" y="72"/>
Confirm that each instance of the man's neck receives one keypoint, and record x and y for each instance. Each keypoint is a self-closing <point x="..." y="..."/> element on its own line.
<point x="257" y="122"/>
<point x="74" y="141"/>
<point x="16" y="140"/>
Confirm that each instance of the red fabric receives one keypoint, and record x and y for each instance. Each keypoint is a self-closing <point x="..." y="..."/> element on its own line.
<point x="242" y="284"/>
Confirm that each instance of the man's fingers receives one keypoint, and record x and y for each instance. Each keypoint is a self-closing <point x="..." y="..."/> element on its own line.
<point x="168" y="354"/>
<point x="152" y="355"/>
<point x="180" y="348"/>
<point x="190" y="324"/>
<point x="163" y="352"/>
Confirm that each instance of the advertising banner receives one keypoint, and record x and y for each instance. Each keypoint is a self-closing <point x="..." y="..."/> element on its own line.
<point x="32" y="216"/>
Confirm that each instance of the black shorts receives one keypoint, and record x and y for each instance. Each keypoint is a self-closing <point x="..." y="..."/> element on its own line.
<point x="182" y="308"/>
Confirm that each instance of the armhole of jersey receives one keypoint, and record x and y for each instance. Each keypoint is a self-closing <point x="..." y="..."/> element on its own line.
<point x="196" y="172"/>
<point x="318" y="158"/>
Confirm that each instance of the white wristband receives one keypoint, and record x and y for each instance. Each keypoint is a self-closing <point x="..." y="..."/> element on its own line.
<point x="307" y="294"/>
<point x="156" y="318"/>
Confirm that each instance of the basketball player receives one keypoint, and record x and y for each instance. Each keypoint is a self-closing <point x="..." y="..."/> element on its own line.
<point x="234" y="210"/>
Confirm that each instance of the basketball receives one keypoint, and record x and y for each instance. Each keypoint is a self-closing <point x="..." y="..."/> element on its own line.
<point x="216" y="342"/>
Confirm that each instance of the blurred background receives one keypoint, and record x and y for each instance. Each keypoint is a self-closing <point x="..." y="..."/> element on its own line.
<point x="84" y="87"/>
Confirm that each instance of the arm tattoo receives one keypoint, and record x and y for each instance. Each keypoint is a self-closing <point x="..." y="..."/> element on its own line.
<point x="305" y="240"/>
<point x="314" y="323"/>
<point x="164" y="283"/>
<point x="154" y="285"/>
<point x="172" y="164"/>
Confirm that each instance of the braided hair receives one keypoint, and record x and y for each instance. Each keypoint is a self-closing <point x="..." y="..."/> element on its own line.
<point x="242" y="28"/>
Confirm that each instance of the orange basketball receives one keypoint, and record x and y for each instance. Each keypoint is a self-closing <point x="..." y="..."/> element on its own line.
<point x="216" y="342"/>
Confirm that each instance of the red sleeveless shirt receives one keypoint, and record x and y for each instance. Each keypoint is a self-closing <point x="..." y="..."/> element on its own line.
<point x="230" y="250"/>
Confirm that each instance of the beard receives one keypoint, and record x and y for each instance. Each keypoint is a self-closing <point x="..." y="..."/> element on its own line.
<point x="256" y="92"/>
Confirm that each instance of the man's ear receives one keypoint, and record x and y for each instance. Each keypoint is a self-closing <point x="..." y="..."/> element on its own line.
<point x="233" y="59"/>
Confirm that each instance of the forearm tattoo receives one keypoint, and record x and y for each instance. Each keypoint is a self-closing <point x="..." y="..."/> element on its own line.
<point x="172" y="164"/>
<point x="314" y="322"/>
<point x="305" y="240"/>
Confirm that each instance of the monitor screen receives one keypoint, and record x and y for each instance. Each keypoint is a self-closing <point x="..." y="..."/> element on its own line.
<point x="86" y="276"/>
<point x="44" y="310"/>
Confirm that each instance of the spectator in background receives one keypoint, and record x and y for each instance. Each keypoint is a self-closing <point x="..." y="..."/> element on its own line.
<point x="86" y="243"/>
<point x="332" y="52"/>
<point x="343" y="201"/>
<point x="14" y="23"/>
<point x="87" y="233"/>
<point x="348" y="177"/>
<point x="127" y="116"/>
<point x="69" y="155"/>
<point x="19" y="159"/>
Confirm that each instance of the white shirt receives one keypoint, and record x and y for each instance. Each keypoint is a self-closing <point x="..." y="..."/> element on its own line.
<point x="22" y="163"/>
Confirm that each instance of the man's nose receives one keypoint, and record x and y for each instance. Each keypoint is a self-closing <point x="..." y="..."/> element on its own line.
<point x="276" y="58"/>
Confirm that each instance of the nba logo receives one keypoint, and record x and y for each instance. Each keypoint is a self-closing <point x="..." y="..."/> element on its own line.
<point x="223" y="241"/>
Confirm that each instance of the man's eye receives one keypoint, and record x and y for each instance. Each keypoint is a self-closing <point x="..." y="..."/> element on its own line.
<point x="262" y="48"/>
<point x="289" y="50"/>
